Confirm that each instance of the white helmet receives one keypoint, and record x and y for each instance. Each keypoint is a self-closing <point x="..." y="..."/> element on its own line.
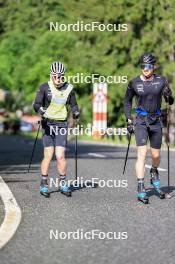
<point x="57" y="68"/>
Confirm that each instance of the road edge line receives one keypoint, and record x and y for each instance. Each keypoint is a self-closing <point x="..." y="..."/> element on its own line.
<point x="12" y="217"/>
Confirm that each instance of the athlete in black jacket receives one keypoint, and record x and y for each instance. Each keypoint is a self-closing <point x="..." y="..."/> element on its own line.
<point x="148" y="90"/>
<point x="43" y="99"/>
<point x="52" y="102"/>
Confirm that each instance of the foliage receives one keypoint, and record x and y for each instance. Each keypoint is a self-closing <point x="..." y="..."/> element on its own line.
<point x="27" y="47"/>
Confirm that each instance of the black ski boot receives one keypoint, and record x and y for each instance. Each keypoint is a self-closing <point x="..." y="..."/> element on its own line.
<point x="155" y="182"/>
<point x="44" y="188"/>
<point x="141" y="193"/>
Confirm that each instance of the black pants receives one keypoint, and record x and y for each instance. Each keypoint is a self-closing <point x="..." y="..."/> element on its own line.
<point x="54" y="135"/>
<point x="148" y="128"/>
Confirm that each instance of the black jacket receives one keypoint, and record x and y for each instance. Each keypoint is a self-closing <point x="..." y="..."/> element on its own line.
<point x="148" y="94"/>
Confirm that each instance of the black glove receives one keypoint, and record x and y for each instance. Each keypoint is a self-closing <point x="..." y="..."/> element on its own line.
<point x="76" y="115"/>
<point x="130" y="126"/>
<point x="168" y="95"/>
<point x="42" y="110"/>
<point x="167" y="92"/>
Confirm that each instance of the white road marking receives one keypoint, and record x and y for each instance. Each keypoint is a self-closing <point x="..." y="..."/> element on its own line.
<point x="97" y="155"/>
<point x="149" y="167"/>
<point x="12" y="217"/>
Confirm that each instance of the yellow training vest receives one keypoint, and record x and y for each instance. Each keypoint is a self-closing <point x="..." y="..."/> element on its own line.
<point x="57" y="109"/>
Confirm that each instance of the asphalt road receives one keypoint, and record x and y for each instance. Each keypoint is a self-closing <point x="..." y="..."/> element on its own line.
<point x="150" y="228"/>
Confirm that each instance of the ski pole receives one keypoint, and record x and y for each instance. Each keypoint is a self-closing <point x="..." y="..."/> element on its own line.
<point x="76" y="116"/>
<point x="34" y="145"/>
<point x="168" y="168"/>
<point x="168" y="195"/>
<point x="126" y="158"/>
<point x="76" y="154"/>
<point x="168" y="146"/>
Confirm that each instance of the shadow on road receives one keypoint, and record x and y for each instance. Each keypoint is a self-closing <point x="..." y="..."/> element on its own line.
<point x="170" y="190"/>
<point x="19" y="180"/>
<point x="15" y="153"/>
<point x="79" y="187"/>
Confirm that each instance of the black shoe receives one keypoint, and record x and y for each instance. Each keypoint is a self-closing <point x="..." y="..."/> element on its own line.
<point x="155" y="182"/>
<point x="44" y="188"/>
<point x="141" y="193"/>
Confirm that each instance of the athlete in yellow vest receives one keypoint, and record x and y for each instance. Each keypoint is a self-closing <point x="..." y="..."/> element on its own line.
<point x="52" y="102"/>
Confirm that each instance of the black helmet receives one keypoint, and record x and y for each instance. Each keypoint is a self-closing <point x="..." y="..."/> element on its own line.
<point x="147" y="58"/>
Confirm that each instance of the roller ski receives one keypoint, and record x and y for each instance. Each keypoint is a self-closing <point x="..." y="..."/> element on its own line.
<point x="44" y="188"/>
<point x="65" y="189"/>
<point x="155" y="182"/>
<point x="141" y="193"/>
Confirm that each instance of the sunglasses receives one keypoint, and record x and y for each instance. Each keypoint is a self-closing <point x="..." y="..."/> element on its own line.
<point x="58" y="77"/>
<point x="147" y="66"/>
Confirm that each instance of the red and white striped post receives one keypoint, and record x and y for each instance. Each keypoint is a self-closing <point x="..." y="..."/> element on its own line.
<point x="99" y="109"/>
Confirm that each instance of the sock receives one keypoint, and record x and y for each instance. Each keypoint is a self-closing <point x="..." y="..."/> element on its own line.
<point x="62" y="180"/>
<point x="140" y="180"/>
<point x="154" y="173"/>
<point x="154" y="168"/>
<point x="140" y="185"/>
<point x="62" y="177"/>
<point x="44" y="177"/>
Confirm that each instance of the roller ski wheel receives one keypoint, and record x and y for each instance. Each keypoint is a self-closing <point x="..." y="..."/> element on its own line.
<point x="46" y="195"/>
<point x="155" y="182"/>
<point x="44" y="189"/>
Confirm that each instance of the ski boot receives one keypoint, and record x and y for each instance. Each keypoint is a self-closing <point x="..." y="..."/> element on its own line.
<point x="155" y="182"/>
<point x="65" y="188"/>
<point x="44" y="188"/>
<point x="141" y="193"/>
